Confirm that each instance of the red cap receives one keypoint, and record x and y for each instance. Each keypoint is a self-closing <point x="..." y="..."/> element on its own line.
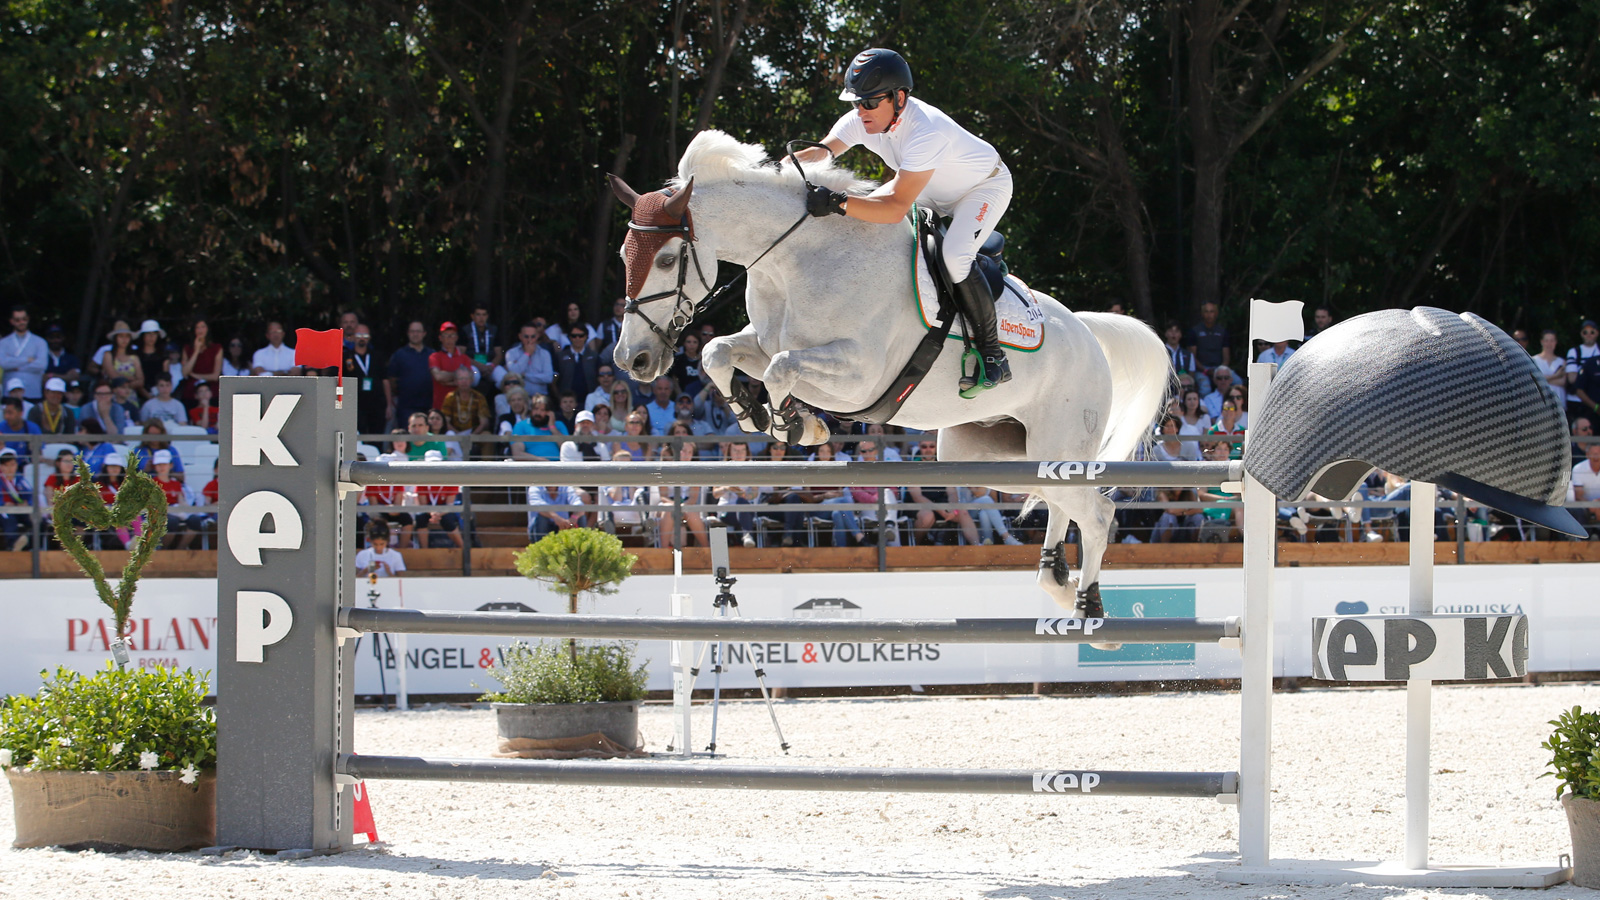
<point x="448" y="326"/>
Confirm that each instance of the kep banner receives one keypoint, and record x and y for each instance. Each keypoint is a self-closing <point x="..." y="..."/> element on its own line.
<point x="60" y="622"/>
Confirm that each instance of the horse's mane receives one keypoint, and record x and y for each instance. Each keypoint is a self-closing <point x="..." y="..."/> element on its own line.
<point x="715" y="156"/>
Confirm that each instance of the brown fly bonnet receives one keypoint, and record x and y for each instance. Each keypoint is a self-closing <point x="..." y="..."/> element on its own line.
<point x="658" y="217"/>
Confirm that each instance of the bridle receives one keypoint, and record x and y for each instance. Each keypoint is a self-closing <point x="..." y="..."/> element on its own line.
<point x="685" y="310"/>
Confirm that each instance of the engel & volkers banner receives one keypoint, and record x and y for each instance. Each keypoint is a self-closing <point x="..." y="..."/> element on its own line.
<point x="60" y="622"/>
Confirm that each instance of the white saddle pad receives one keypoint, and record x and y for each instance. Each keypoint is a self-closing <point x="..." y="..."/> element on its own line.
<point x="1020" y="319"/>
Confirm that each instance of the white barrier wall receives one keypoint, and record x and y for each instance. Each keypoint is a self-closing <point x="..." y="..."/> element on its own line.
<point x="60" y="622"/>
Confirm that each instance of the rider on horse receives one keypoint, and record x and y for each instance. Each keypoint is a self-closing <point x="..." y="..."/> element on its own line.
<point x="938" y="164"/>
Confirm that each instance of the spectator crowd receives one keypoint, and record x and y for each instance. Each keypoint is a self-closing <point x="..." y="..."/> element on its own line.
<point x="547" y="390"/>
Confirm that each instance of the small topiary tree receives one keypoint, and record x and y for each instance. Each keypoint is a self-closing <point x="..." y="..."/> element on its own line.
<point x="575" y="562"/>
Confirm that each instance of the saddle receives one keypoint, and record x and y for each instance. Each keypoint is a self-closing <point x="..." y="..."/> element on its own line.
<point x="930" y="237"/>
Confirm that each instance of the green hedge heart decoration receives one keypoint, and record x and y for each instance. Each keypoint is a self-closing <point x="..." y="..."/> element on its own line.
<point x="81" y="502"/>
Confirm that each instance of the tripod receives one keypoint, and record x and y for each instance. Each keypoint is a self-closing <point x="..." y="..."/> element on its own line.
<point x="727" y="604"/>
<point x="380" y="642"/>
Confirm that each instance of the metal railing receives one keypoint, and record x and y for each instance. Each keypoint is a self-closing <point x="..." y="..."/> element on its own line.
<point x="884" y="513"/>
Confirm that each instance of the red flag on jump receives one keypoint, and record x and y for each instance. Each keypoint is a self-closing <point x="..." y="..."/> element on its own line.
<point x="318" y="349"/>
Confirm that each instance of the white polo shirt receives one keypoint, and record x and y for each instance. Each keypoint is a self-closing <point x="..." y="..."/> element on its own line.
<point x="1586" y="479"/>
<point x="274" y="359"/>
<point x="926" y="139"/>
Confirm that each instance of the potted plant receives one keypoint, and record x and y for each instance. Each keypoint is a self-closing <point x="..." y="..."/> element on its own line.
<point x="1575" y="761"/>
<point x="566" y="699"/>
<point x="124" y="758"/>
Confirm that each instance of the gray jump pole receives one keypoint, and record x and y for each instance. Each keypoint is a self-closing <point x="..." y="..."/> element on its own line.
<point x="826" y="474"/>
<point x="286" y="606"/>
<point x="1058" y="630"/>
<point x="1071" y="782"/>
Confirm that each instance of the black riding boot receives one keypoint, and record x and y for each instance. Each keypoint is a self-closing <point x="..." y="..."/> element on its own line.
<point x="977" y="304"/>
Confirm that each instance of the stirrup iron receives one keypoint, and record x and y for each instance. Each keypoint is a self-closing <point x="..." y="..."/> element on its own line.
<point x="989" y="372"/>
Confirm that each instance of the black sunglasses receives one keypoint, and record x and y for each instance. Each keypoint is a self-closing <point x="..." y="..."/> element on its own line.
<point x="870" y="102"/>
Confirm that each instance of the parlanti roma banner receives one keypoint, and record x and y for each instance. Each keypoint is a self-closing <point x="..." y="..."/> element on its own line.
<point x="59" y="622"/>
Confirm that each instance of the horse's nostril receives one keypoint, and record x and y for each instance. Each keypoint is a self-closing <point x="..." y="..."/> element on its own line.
<point x="641" y="362"/>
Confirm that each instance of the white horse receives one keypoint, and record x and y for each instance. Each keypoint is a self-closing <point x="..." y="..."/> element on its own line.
<point x="832" y="323"/>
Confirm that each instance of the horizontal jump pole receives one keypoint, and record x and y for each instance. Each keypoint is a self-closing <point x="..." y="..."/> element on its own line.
<point x="1079" y="782"/>
<point x="1049" y="630"/>
<point x="511" y="473"/>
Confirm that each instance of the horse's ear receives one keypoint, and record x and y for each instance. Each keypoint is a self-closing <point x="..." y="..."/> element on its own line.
<point x="626" y="194"/>
<point x="678" y="204"/>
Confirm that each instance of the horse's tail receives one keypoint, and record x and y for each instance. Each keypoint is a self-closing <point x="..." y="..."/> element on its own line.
<point x="1141" y="376"/>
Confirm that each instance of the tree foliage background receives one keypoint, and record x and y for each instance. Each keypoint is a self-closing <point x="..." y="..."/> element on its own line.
<point x="290" y="159"/>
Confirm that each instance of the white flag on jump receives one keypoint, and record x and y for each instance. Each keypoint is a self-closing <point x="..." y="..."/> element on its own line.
<point x="1272" y="322"/>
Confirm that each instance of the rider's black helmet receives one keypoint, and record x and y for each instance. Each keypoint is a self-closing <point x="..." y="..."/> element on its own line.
<point x="875" y="71"/>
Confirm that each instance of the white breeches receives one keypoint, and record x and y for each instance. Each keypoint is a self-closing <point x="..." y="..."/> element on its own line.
<point x="972" y="220"/>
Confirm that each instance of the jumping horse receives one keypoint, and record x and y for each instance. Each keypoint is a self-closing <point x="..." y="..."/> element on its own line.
<point x="832" y="324"/>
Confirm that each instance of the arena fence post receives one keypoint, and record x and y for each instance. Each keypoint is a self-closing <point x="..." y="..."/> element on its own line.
<point x="286" y="534"/>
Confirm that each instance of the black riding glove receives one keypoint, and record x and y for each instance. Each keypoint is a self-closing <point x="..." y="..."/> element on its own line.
<point x="821" y="201"/>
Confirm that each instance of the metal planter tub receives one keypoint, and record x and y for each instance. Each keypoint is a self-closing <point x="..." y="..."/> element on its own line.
<point x="1583" y="817"/>
<point x="567" y="730"/>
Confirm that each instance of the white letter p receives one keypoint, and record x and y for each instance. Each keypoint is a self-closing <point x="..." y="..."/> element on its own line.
<point x="264" y="619"/>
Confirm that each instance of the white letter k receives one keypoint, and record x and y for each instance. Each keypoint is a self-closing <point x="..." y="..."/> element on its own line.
<point x="255" y="434"/>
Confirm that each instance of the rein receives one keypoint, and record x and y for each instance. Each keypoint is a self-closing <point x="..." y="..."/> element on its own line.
<point x="685" y="310"/>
